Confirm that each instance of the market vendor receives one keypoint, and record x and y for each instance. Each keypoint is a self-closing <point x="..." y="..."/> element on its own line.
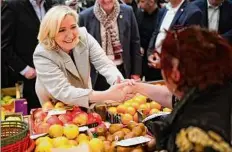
<point x="62" y="61"/>
<point x="196" y="66"/>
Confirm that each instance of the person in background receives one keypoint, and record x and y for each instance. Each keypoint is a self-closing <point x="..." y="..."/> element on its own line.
<point x="62" y="61"/>
<point x="115" y="28"/>
<point x="147" y="18"/>
<point x="19" y="28"/>
<point x="215" y="16"/>
<point x="196" y="67"/>
<point x="177" y="13"/>
<point x="131" y="3"/>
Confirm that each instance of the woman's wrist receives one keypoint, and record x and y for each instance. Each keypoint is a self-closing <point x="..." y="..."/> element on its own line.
<point x="97" y="96"/>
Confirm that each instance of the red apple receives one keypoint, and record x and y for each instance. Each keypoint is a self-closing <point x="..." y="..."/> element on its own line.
<point x="53" y="120"/>
<point x="42" y="127"/>
<point x="91" y="119"/>
<point x="81" y="119"/>
<point x="76" y="108"/>
<point x="97" y="117"/>
<point x="39" y="114"/>
<point x="65" y="118"/>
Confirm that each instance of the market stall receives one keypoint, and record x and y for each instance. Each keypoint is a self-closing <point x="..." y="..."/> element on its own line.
<point x="105" y="127"/>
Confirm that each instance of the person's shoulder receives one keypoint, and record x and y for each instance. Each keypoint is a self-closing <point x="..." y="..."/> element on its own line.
<point x="198" y="2"/>
<point x="14" y="4"/>
<point x="86" y="11"/>
<point x="39" y="48"/>
<point x="192" y="8"/>
<point x="125" y="7"/>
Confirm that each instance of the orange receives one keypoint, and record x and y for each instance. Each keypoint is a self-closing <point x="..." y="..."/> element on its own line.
<point x="126" y="118"/>
<point x="131" y="110"/>
<point x="135" y="105"/>
<point x="156" y="105"/>
<point x="144" y="108"/>
<point x="135" y="117"/>
<point x="140" y="99"/>
<point x="121" y="108"/>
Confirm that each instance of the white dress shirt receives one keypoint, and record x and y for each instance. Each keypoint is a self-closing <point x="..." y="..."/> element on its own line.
<point x="213" y="16"/>
<point x="166" y="24"/>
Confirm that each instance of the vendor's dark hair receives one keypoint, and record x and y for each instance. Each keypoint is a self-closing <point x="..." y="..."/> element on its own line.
<point x="205" y="58"/>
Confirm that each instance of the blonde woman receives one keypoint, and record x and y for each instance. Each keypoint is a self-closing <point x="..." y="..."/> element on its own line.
<point x="62" y="61"/>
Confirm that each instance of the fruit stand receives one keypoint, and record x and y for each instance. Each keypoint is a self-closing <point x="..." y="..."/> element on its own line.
<point x="106" y="127"/>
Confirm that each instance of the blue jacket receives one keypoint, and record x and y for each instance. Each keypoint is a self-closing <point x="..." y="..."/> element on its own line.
<point x="187" y="14"/>
<point x="128" y="34"/>
<point x="225" y="18"/>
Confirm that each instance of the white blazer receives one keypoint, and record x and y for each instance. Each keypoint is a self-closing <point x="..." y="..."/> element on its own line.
<point x="58" y="78"/>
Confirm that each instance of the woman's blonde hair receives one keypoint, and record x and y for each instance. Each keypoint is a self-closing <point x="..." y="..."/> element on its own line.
<point x="50" y="25"/>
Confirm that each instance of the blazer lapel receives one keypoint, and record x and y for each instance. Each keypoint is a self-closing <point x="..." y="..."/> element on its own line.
<point x="68" y="63"/>
<point x="205" y="14"/>
<point x="121" y="28"/>
<point x="178" y="14"/>
<point x="29" y="8"/>
<point x="82" y="62"/>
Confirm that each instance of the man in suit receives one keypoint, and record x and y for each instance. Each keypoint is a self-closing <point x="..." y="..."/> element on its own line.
<point x="177" y="13"/>
<point x="216" y="16"/>
<point x="20" y="26"/>
<point x="115" y="28"/>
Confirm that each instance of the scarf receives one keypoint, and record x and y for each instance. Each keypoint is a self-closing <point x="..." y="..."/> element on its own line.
<point x="110" y="42"/>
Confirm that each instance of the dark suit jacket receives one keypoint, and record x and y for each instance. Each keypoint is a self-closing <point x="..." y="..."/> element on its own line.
<point x="128" y="34"/>
<point x="225" y="18"/>
<point x="20" y="26"/>
<point x="188" y="14"/>
<point x="19" y="30"/>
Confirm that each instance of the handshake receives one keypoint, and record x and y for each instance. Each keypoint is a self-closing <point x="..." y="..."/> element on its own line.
<point x="122" y="90"/>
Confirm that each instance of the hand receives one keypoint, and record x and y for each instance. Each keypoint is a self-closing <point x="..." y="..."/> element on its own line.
<point x="136" y="77"/>
<point x="142" y="51"/>
<point x="120" y="92"/>
<point x="30" y="74"/>
<point x="154" y="61"/>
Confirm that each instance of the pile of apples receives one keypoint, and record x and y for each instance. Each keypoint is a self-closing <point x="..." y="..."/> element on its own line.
<point x="42" y="121"/>
<point x="128" y="110"/>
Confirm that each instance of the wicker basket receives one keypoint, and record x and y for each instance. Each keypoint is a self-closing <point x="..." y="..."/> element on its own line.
<point x="12" y="132"/>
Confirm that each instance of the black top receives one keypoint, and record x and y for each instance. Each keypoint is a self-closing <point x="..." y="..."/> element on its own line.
<point x="146" y="24"/>
<point x="202" y="118"/>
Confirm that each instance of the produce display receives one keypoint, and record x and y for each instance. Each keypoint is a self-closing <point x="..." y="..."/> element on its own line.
<point x="59" y="113"/>
<point x="106" y="129"/>
<point x="102" y="139"/>
<point x="139" y="104"/>
<point x="7" y="104"/>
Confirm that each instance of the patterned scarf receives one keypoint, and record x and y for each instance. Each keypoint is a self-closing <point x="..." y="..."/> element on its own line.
<point x="110" y="42"/>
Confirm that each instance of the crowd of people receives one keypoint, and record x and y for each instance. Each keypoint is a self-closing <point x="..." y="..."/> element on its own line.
<point x="103" y="52"/>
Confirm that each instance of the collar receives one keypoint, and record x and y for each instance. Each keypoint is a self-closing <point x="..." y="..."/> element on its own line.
<point x="34" y="2"/>
<point x="211" y="6"/>
<point x="169" y="6"/>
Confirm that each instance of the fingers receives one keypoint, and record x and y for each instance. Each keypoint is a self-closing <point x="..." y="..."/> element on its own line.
<point x="30" y="74"/>
<point x="118" y="80"/>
